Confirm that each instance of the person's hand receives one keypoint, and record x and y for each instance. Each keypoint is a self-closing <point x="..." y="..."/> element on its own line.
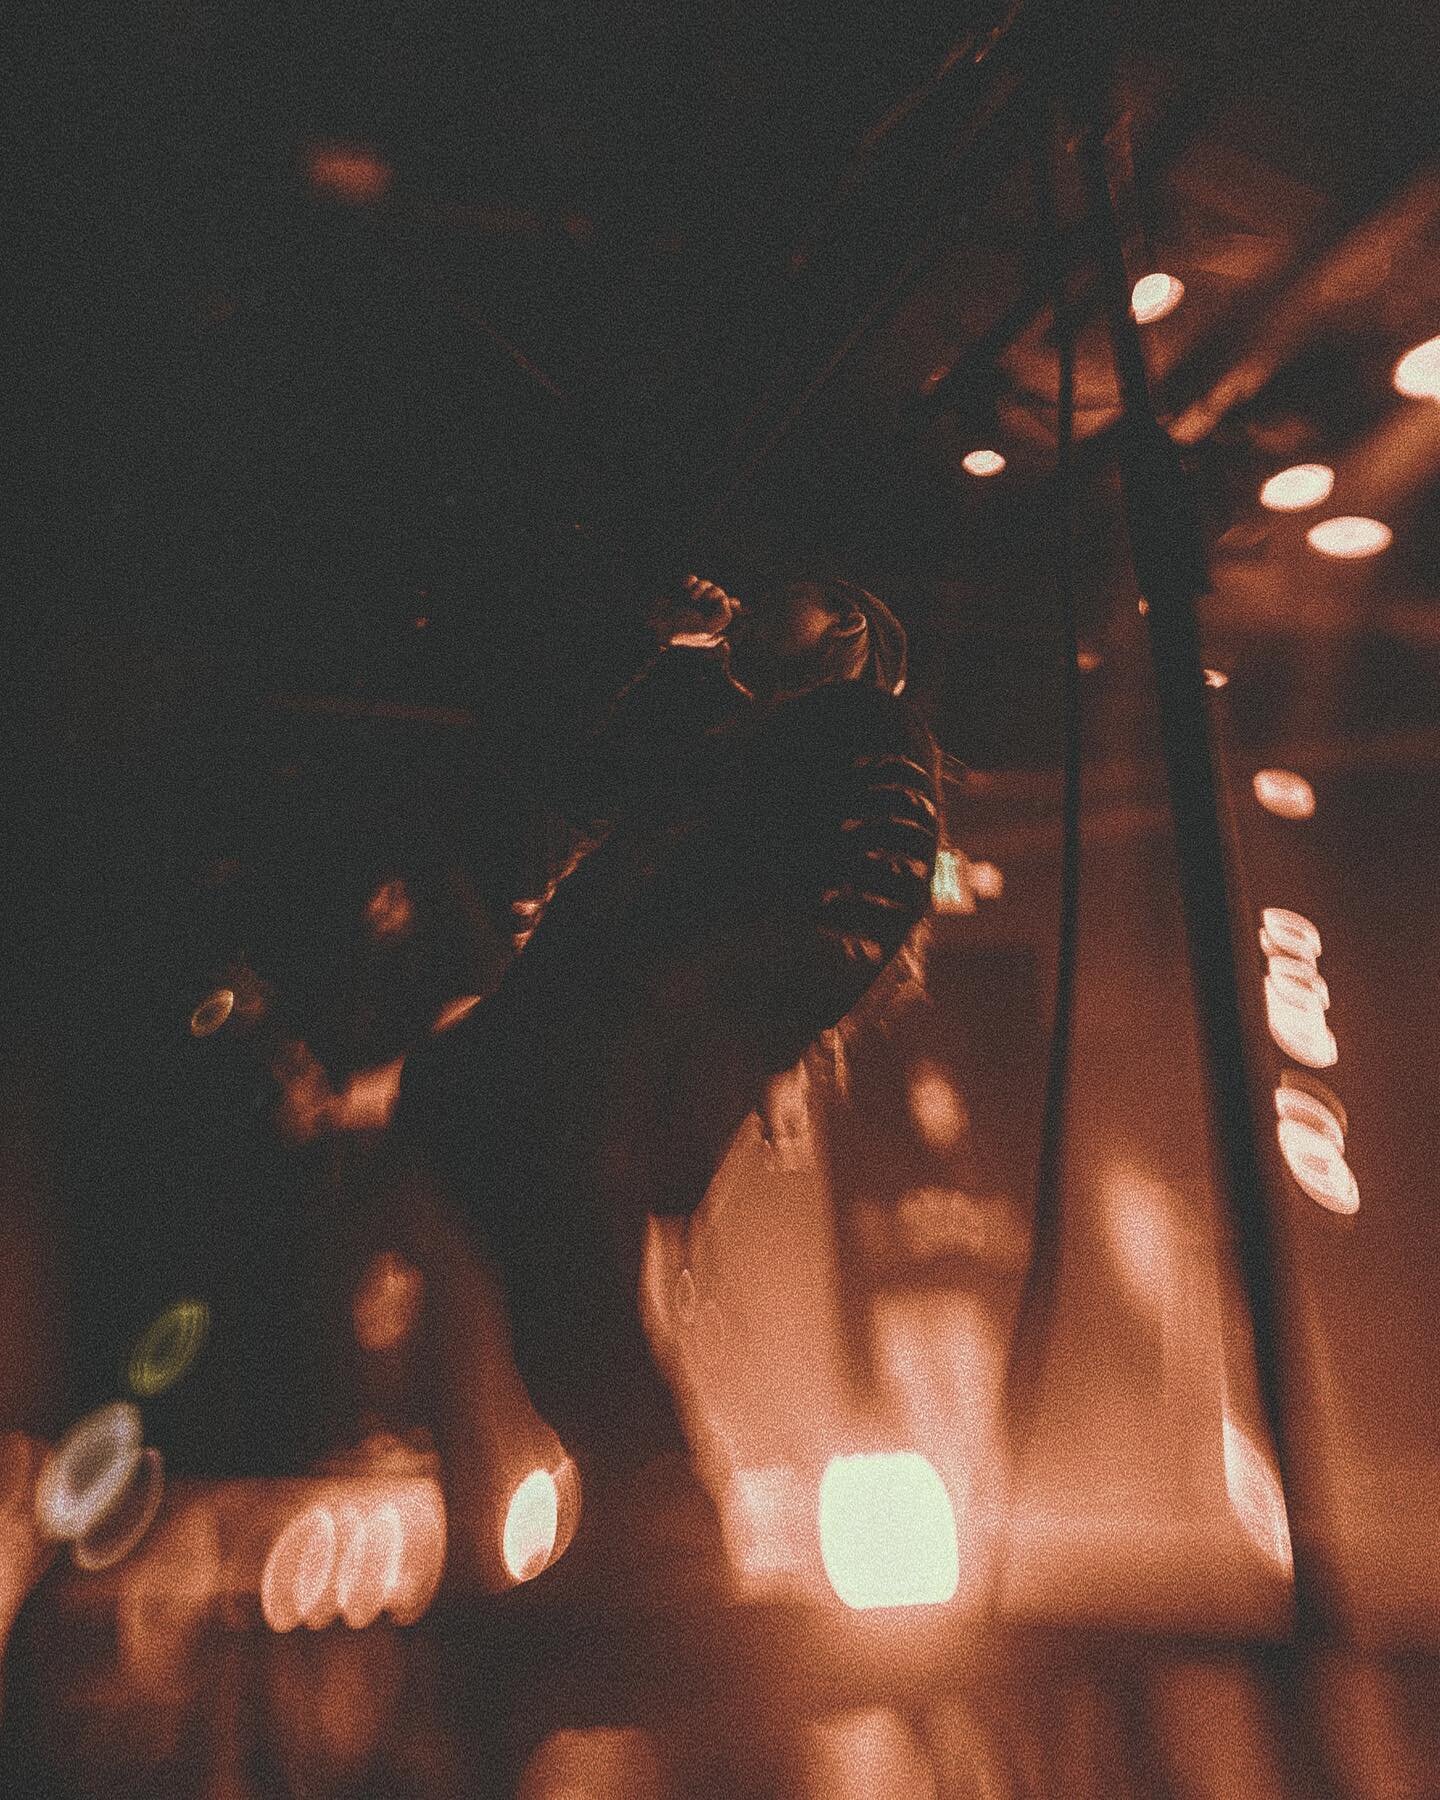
<point x="698" y="618"/>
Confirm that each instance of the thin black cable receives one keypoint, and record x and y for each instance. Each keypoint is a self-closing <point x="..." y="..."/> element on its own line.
<point x="1031" y="1333"/>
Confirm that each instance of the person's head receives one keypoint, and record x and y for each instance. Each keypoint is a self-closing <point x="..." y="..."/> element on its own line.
<point x="803" y="631"/>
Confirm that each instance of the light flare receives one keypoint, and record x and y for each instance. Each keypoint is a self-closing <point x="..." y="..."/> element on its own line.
<point x="939" y="1113"/>
<point x="212" y="1012"/>
<point x="1155" y="296"/>
<point x="1295" y="488"/>
<point x="532" y="1523"/>
<point x="887" y="1531"/>
<point x="89" y="1471"/>
<point x="348" y="172"/>
<point x="299" y="1568"/>
<point x="1284" y="793"/>
<point x="1286" y="933"/>
<point x="1255" y="1495"/>
<point x="113" y="1537"/>
<point x="1417" y="374"/>
<point x="167" y="1347"/>
<point x="1349" y="537"/>
<point x="982" y="462"/>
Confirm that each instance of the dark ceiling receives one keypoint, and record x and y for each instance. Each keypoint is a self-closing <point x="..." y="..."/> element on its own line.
<point x="341" y="318"/>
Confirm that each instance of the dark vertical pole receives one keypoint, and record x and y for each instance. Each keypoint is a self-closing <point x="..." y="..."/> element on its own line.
<point x="1170" y="570"/>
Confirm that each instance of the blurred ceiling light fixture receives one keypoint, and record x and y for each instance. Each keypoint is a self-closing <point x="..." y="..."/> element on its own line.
<point x="982" y="462"/>
<point x="887" y="1531"/>
<point x="1312" y="1140"/>
<point x="1286" y="933"/>
<point x="368" y="1569"/>
<point x="89" y="1471"/>
<point x="1293" y="489"/>
<point x="167" y="1347"/>
<point x="1296" y="998"/>
<point x="532" y="1523"/>
<point x="1417" y="374"/>
<point x="1284" y="793"/>
<point x="212" y="1012"/>
<point x="1154" y="296"/>
<point x="1349" y="538"/>
<point x="1216" y="678"/>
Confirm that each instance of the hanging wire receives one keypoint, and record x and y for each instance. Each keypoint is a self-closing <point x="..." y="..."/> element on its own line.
<point x="1031" y="1333"/>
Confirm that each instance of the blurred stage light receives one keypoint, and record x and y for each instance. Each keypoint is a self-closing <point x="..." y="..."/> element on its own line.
<point x="349" y="172"/>
<point x="368" y="1568"/>
<point x="167" y="1347"/>
<point x="1417" y="374"/>
<point x="532" y="1523"/>
<point x="938" y="1111"/>
<point x="390" y="912"/>
<point x="88" y="1471"/>
<point x="1282" y="792"/>
<point x="123" y="1526"/>
<point x="299" y="1569"/>
<point x="212" y="1012"/>
<point x="887" y="1531"/>
<point x="1292" y="490"/>
<point x="1153" y="296"/>
<point x="387" y="1302"/>
<point x="982" y="462"/>
<point x="1216" y="678"/>
<point x="1299" y="1028"/>
<point x="1349" y="538"/>
<point x="1310" y="1125"/>
<point x="1286" y="933"/>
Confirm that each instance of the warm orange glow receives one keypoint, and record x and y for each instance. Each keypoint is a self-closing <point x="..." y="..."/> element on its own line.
<point x="1349" y="538"/>
<point x="531" y="1525"/>
<point x="349" y="172"/>
<point x="422" y="1551"/>
<point x="1304" y="1098"/>
<point x="167" y="1347"/>
<point x="368" y="1100"/>
<point x="887" y="1531"/>
<point x="765" y="1523"/>
<point x="299" y="1569"/>
<point x="390" y="912"/>
<point x="938" y="1111"/>
<point x="1417" y="374"/>
<point x="368" y="1567"/>
<point x="1255" y="1494"/>
<point x="982" y="462"/>
<point x="1286" y="933"/>
<point x="89" y="1471"/>
<point x="1287" y="795"/>
<point x="986" y="881"/>
<point x="212" y="1012"/>
<point x="1087" y="661"/>
<point x="454" y="1011"/>
<point x="1216" y="678"/>
<point x="125" y="1524"/>
<point x="1153" y="296"/>
<point x="1293" y="489"/>
<point x="387" y="1302"/>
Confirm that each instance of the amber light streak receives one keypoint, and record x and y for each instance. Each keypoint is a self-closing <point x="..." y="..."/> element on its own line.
<point x="887" y="1531"/>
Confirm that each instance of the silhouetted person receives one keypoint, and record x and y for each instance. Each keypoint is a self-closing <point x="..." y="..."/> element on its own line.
<point x="765" y="809"/>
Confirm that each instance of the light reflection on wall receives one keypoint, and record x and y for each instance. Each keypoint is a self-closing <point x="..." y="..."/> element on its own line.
<point x="387" y="1301"/>
<point x="939" y="1112"/>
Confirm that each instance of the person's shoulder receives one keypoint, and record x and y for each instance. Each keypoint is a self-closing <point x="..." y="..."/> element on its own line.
<point x="868" y="718"/>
